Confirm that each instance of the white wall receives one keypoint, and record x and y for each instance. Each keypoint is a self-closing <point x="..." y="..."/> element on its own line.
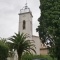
<point x="37" y="44"/>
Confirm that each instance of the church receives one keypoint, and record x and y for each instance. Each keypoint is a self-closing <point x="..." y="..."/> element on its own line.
<point x="25" y="26"/>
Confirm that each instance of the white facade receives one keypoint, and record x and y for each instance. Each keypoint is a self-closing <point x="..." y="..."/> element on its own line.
<point x="37" y="44"/>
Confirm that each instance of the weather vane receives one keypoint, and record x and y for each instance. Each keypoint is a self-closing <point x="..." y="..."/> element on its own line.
<point x="26" y="4"/>
<point x="26" y="1"/>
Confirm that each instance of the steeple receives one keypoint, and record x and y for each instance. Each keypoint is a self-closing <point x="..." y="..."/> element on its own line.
<point x="25" y="9"/>
<point x="25" y="21"/>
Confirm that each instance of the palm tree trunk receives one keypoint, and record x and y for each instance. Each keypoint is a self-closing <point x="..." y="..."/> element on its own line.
<point x="19" y="54"/>
<point x="19" y="57"/>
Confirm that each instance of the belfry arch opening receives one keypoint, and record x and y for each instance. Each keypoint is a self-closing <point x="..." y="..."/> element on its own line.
<point x="24" y="24"/>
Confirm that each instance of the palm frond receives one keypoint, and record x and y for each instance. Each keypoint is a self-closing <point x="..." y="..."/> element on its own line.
<point x="21" y="44"/>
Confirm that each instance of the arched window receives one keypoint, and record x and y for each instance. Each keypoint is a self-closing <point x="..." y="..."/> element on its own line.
<point x="24" y="24"/>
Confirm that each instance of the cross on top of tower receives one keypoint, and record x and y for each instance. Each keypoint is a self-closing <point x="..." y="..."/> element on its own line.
<point x="26" y="3"/>
<point x="26" y="7"/>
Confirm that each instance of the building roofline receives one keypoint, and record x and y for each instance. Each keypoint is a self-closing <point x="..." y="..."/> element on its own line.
<point x="43" y="48"/>
<point x="35" y="36"/>
<point x="25" y="13"/>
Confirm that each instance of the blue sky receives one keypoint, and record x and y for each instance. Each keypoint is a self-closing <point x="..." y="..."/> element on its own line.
<point x="9" y="18"/>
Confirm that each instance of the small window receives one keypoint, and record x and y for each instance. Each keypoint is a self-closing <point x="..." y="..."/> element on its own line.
<point x="24" y="24"/>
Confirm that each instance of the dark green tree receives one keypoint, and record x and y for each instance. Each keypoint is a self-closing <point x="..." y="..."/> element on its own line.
<point x="49" y="25"/>
<point x="21" y="44"/>
<point x="3" y="49"/>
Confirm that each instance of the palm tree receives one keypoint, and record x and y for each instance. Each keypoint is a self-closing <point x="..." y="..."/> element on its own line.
<point x="20" y="44"/>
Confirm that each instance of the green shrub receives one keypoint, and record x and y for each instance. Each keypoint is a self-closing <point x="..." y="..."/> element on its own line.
<point x="28" y="56"/>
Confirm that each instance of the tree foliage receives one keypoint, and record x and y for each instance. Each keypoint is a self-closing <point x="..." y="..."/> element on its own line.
<point x="21" y="44"/>
<point x="3" y="50"/>
<point x="49" y="25"/>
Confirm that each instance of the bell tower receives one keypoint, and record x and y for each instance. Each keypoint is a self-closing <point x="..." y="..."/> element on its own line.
<point x="25" y="21"/>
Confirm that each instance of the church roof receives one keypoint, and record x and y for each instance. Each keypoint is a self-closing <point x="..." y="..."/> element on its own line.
<point x="35" y="36"/>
